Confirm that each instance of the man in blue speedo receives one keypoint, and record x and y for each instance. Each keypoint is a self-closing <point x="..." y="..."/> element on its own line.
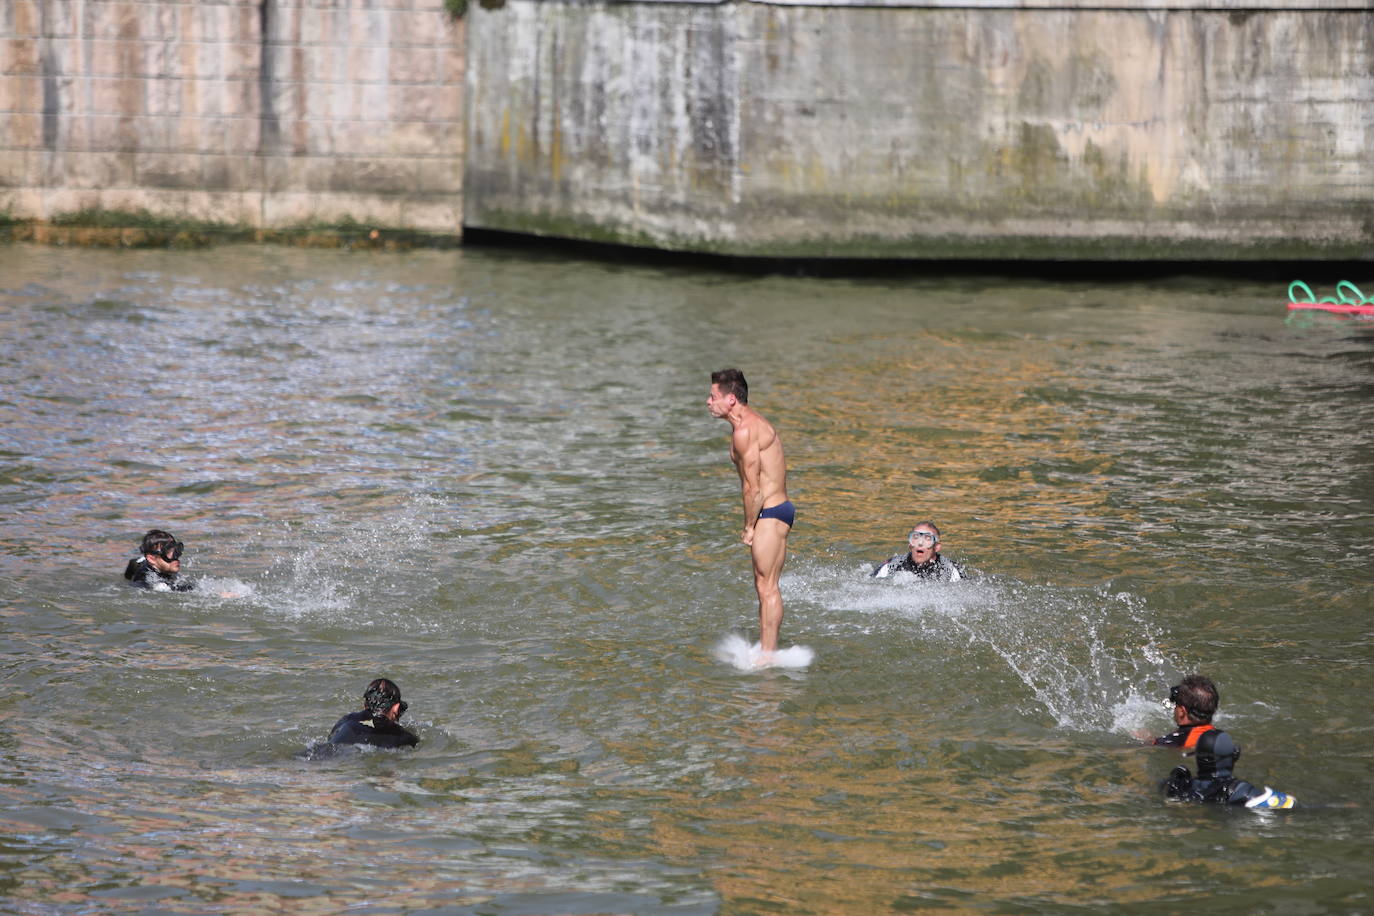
<point x="1194" y="701"/>
<point x="757" y="454"/>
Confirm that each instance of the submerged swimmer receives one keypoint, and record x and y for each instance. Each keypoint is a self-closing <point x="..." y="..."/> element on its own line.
<point x="159" y="567"/>
<point x="756" y="452"/>
<point x="376" y="723"/>
<point x="924" y="559"/>
<point x="1194" y="702"/>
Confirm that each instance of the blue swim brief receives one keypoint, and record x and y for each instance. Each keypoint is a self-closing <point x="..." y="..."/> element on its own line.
<point x="783" y="512"/>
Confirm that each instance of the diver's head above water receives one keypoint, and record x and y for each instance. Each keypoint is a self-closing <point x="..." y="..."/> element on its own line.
<point x="1194" y="700"/>
<point x="924" y="541"/>
<point x="383" y="698"/>
<point x="162" y="552"/>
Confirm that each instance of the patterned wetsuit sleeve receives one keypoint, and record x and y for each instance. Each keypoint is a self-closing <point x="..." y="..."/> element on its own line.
<point x="950" y="571"/>
<point x="886" y="568"/>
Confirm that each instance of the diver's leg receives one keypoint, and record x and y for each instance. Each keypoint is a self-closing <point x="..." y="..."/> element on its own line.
<point x="769" y="551"/>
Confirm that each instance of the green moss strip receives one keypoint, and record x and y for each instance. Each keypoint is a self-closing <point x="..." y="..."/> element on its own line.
<point x="141" y="229"/>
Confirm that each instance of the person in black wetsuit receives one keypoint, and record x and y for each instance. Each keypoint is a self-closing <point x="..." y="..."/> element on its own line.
<point x="924" y="559"/>
<point x="1194" y="702"/>
<point x="159" y="567"/>
<point x="376" y="724"/>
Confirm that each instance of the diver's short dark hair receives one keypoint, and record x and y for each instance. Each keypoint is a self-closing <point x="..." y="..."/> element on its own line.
<point x="381" y="695"/>
<point x="157" y="542"/>
<point x="731" y="381"/>
<point x="1198" y="695"/>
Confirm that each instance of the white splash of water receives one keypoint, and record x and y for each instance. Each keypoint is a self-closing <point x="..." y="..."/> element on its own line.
<point x="227" y="588"/>
<point x="1138" y="713"/>
<point x="335" y="570"/>
<point x="742" y="655"/>
<point x="1090" y="657"/>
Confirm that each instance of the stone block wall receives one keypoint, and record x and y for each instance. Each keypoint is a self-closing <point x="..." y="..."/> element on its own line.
<point x="1127" y="129"/>
<point x="263" y="113"/>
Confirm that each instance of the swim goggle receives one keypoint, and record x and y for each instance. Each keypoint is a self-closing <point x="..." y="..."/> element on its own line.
<point x="917" y="536"/>
<point x="172" y="552"/>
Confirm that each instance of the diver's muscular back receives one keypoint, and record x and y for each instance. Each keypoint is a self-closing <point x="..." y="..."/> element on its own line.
<point x="762" y="440"/>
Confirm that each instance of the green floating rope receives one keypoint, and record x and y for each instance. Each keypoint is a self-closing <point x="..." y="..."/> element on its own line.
<point x="1347" y="293"/>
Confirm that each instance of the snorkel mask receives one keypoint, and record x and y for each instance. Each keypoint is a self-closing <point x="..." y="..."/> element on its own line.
<point x="1173" y="700"/>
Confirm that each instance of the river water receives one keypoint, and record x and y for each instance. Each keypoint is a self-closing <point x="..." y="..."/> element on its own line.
<point x="490" y="475"/>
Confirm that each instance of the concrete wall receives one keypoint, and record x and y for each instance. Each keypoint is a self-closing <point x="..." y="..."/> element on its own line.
<point x="266" y="113"/>
<point x="996" y="131"/>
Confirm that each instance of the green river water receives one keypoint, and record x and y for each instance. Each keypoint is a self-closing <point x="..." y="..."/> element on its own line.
<point x="490" y="475"/>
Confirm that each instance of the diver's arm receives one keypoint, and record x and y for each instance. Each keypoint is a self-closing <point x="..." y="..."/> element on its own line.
<point x="1173" y="739"/>
<point x="750" y="478"/>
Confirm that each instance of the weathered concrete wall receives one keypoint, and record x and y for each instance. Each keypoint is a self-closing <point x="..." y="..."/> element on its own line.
<point x="266" y="113"/>
<point x="777" y="129"/>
